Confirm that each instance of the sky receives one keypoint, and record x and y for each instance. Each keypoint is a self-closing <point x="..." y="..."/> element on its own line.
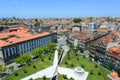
<point x="58" y="8"/>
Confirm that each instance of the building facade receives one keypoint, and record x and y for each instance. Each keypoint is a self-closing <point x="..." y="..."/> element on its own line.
<point x="10" y="52"/>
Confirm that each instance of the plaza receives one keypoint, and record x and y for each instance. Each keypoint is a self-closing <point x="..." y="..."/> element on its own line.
<point x="49" y="72"/>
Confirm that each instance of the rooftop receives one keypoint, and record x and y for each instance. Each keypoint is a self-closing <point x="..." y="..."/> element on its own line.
<point x="114" y="75"/>
<point x="104" y="40"/>
<point x="115" y="51"/>
<point x="19" y="34"/>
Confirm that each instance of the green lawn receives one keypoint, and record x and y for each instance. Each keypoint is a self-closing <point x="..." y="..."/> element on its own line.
<point x="75" y="60"/>
<point x="79" y="60"/>
<point x="30" y="70"/>
<point x="60" y="77"/>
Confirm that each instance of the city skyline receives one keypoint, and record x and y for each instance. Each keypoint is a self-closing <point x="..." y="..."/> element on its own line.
<point x="62" y="8"/>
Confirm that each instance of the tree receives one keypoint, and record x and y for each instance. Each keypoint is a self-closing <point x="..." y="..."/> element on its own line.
<point x="72" y="65"/>
<point x="37" y="23"/>
<point x="71" y="46"/>
<point x="44" y="78"/>
<point x="80" y="48"/>
<point x="35" y="52"/>
<point x="51" y="45"/>
<point x="16" y="74"/>
<point x="111" y="65"/>
<point x="91" y="72"/>
<point x="11" y="68"/>
<point x="71" y="78"/>
<point x="68" y="58"/>
<point x="41" y="50"/>
<point x="88" y="47"/>
<point x="77" y="58"/>
<point x="82" y="66"/>
<point x="2" y="68"/>
<point x="77" y="20"/>
<point x="25" y="71"/>
<point x="19" y="60"/>
<point x="75" y="50"/>
<point x="36" y="20"/>
<point x="31" y="79"/>
<point x="45" y="48"/>
<point x="66" y="63"/>
<point x="96" y="66"/>
<point x="118" y="70"/>
<point x="96" y="58"/>
<point x="26" y="57"/>
<point x="99" y="73"/>
<point x="64" y="76"/>
<point x="34" y="66"/>
<point x="49" y="58"/>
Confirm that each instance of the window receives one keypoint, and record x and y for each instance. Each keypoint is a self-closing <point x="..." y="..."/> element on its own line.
<point x="4" y="54"/>
<point x="10" y="52"/>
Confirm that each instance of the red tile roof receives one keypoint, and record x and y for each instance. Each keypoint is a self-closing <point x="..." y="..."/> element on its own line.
<point x="114" y="75"/>
<point x="117" y="78"/>
<point x="115" y="51"/>
<point x="18" y="36"/>
<point x="84" y="36"/>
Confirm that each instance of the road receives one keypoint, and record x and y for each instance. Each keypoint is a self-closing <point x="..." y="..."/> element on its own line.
<point x="61" y="41"/>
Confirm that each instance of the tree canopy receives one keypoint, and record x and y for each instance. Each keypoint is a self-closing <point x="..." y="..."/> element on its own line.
<point x="37" y="23"/>
<point x="77" y="20"/>
<point x="26" y="57"/>
<point x="2" y="68"/>
<point x="19" y="60"/>
<point x="35" y="52"/>
<point x="40" y="50"/>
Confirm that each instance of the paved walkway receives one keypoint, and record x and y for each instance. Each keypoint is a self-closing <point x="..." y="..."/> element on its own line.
<point x="70" y="73"/>
<point x="55" y="62"/>
<point x="48" y="72"/>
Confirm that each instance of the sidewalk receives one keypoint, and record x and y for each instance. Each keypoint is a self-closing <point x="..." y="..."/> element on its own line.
<point x="70" y="73"/>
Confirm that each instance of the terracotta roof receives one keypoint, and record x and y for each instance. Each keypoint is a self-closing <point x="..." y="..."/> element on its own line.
<point x="115" y="32"/>
<point x="104" y="40"/>
<point x="3" y="43"/>
<point x="102" y="30"/>
<point x="18" y="36"/>
<point x="84" y="36"/>
<point x="115" y="51"/>
<point x="116" y="78"/>
<point x="114" y="74"/>
<point x="63" y="30"/>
